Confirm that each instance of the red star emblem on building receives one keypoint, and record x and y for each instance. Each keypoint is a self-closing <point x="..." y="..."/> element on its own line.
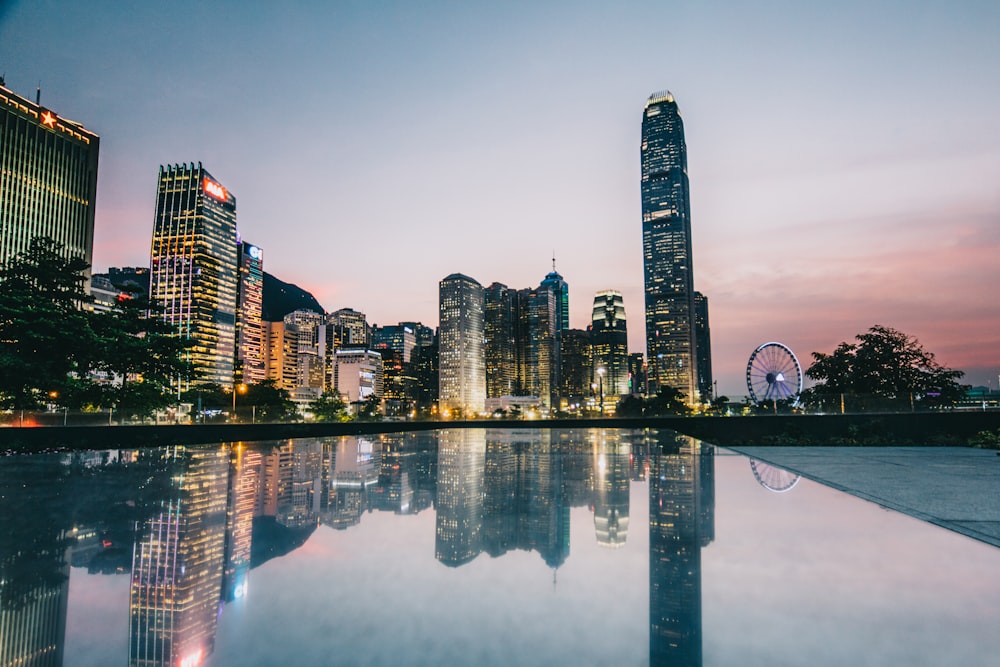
<point x="48" y="119"/>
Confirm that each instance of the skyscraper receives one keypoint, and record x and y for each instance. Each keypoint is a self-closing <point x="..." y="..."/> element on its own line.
<point x="462" y="374"/>
<point x="609" y="343"/>
<point x="535" y="343"/>
<point x="576" y="365"/>
<point x="671" y="347"/>
<point x="48" y="178"/>
<point x="250" y="365"/>
<point x="703" y="337"/>
<point x="500" y="353"/>
<point x="193" y="266"/>
<point x="559" y="289"/>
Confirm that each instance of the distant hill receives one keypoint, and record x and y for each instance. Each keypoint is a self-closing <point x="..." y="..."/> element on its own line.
<point x="281" y="298"/>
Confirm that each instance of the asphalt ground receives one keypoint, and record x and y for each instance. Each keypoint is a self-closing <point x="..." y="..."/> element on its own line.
<point x="957" y="488"/>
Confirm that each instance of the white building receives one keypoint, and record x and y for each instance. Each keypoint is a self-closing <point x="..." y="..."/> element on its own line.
<point x="462" y="355"/>
<point x="357" y="374"/>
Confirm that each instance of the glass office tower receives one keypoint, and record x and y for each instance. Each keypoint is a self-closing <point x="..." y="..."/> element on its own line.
<point x="48" y="178"/>
<point x="250" y="365"/>
<point x="609" y="341"/>
<point x="666" y="248"/>
<point x="462" y="360"/>
<point x="194" y="268"/>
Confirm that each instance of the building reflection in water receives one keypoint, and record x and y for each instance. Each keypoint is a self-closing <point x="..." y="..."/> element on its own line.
<point x="244" y="475"/>
<point x="524" y="506"/>
<point x="290" y="483"/>
<point x="612" y="462"/>
<point x="223" y="510"/>
<point x="461" y="465"/>
<point x="33" y="627"/>
<point x="350" y="472"/>
<point x="178" y="563"/>
<point x="681" y="522"/>
<point x="497" y="491"/>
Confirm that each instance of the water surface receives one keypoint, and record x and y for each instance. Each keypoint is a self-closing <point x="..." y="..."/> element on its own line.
<point x="491" y="547"/>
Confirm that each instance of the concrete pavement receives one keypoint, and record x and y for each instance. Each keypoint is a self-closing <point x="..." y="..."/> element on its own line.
<point x="957" y="488"/>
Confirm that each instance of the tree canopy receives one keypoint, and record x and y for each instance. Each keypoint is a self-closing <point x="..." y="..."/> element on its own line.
<point x="886" y="366"/>
<point x="55" y="350"/>
<point x="666" y="401"/>
<point x="45" y="335"/>
<point x="329" y="407"/>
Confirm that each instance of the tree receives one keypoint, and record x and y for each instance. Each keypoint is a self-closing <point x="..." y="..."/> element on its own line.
<point x="143" y="355"/>
<point x="885" y="364"/>
<point x="207" y="396"/>
<point x="271" y="403"/>
<point x="45" y="335"/>
<point x="370" y="409"/>
<point x="718" y="405"/>
<point x="630" y="406"/>
<point x="667" y="401"/>
<point x="329" y="407"/>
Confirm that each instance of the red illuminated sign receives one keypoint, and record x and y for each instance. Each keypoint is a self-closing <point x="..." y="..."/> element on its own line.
<point x="214" y="189"/>
<point x="48" y="118"/>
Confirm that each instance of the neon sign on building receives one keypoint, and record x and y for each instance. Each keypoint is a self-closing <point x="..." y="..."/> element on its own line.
<point x="214" y="189"/>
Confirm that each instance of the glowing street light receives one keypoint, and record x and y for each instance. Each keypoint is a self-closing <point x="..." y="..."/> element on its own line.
<point x="238" y="389"/>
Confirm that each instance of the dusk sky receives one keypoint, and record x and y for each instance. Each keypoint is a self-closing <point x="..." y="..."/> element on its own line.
<point x="844" y="160"/>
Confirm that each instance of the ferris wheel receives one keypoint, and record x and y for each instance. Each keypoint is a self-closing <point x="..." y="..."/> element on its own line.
<point x="773" y="373"/>
<point x="772" y="478"/>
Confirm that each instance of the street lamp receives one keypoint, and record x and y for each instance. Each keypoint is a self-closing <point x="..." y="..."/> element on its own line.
<point x="600" y="378"/>
<point x="237" y="389"/>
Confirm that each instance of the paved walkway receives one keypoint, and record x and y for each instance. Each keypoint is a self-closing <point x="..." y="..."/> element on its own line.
<point x="957" y="488"/>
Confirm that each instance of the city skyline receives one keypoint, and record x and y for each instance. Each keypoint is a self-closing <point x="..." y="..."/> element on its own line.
<point x="843" y="161"/>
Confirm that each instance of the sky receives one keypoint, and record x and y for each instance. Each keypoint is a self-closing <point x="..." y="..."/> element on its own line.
<point x="844" y="160"/>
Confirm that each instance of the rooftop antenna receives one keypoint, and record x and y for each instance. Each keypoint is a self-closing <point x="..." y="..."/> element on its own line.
<point x="38" y="94"/>
<point x="553" y="259"/>
<point x="2" y="77"/>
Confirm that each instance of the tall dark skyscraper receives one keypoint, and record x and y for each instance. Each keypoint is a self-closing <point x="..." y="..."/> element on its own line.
<point x="193" y="266"/>
<point x="703" y="337"/>
<point x="499" y="303"/>
<point x="671" y="347"/>
<point x="48" y="178"/>
<point x="559" y="289"/>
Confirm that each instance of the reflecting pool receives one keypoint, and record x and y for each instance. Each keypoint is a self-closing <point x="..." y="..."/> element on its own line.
<point x="472" y="547"/>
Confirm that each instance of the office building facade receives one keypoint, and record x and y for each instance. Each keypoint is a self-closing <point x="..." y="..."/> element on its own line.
<point x="48" y="178"/>
<point x="609" y="343"/>
<point x="558" y="288"/>
<point x="577" y="367"/>
<point x="671" y="347"/>
<point x="703" y="338"/>
<point x="500" y="355"/>
<point x="250" y="366"/>
<point x="193" y="267"/>
<point x="461" y="357"/>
